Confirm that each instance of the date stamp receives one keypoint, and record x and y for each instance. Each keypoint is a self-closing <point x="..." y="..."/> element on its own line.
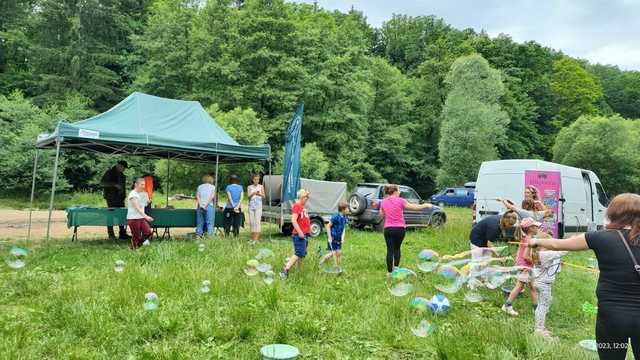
<point x="613" y="346"/>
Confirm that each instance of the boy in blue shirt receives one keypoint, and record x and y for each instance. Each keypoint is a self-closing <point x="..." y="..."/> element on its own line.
<point x="232" y="211"/>
<point x="336" y="229"/>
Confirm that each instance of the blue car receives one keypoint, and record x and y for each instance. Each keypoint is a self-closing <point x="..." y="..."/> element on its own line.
<point x="458" y="196"/>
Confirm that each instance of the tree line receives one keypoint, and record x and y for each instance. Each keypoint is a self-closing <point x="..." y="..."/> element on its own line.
<point x="414" y="101"/>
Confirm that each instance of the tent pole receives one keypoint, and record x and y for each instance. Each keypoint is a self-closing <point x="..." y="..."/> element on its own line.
<point x="53" y="186"/>
<point x="215" y="205"/>
<point x="168" y="160"/>
<point x="270" y="186"/>
<point x="33" y="189"/>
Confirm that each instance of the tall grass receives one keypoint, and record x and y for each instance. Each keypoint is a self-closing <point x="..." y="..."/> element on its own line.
<point x="69" y="303"/>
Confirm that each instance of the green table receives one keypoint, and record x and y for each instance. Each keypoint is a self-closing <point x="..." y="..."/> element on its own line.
<point x="162" y="218"/>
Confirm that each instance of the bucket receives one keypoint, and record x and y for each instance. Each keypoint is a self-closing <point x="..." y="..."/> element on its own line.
<point x="279" y="352"/>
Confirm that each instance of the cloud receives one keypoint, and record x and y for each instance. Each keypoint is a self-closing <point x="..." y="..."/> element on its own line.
<point x="599" y="31"/>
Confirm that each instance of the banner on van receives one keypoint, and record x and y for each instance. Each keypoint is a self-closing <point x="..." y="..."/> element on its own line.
<point x="548" y="184"/>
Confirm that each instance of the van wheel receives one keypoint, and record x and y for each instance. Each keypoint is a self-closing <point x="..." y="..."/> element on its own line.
<point x="316" y="227"/>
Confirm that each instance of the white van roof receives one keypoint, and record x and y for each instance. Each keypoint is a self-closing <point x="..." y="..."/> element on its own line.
<point x="518" y="165"/>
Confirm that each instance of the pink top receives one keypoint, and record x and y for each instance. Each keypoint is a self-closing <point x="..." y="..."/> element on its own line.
<point x="520" y="260"/>
<point x="393" y="207"/>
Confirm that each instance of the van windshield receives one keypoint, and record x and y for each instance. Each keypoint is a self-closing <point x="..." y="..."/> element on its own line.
<point x="602" y="196"/>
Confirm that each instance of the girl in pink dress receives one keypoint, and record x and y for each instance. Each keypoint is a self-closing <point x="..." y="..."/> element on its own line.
<point x="528" y="229"/>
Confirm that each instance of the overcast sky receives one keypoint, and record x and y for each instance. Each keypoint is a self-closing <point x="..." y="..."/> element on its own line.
<point x="601" y="31"/>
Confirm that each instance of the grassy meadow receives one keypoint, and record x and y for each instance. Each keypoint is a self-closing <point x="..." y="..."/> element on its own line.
<point x="69" y="303"/>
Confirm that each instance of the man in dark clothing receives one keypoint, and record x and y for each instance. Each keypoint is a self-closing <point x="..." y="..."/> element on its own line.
<point x="114" y="183"/>
<point x="493" y="228"/>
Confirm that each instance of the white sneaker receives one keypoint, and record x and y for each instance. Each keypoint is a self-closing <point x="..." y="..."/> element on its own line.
<point x="509" y="310"/>
<point x="146" y="243"/>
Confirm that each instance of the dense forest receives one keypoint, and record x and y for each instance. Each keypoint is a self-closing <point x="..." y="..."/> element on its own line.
<point x="415" y="101"/>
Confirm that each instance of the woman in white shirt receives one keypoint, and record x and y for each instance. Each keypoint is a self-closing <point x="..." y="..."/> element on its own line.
<point x="136" y="218"/>
<point x="255" y="192"/>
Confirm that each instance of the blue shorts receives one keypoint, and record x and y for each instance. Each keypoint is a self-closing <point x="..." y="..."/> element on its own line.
<point x="335" y="246"/>
<point x="300" y="245"/>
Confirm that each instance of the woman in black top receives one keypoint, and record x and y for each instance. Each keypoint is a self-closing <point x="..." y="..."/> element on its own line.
<point x="618" y="288"/>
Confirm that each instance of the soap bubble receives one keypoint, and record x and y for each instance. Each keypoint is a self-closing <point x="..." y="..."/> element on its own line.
<point x="509" y="284"/>
<point x="590" y="345"/>
<point x="401" y="281"/>
<point x="263" y="267"/>
<point x="151" y="301"/>
<point x="423" y="329"/>
<point x="452" y="277"/>
<point x="16" y="257"/>
<point x="119" y="266"/>
<point x="440" y="304"/>
<point x="264" y="253"/>
<point x="420" y="304"/>
<point x="427" y="260"/>
<point x="201" y="247"/>
<point x="268" y="276"/>
<point x="205" y="288"/>
<point x="332" y="269"/>
<point x="473" y="296"/>
<point x="252" y="267"/>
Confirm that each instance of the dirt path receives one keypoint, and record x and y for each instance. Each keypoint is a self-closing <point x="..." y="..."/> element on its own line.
<point x="14" y="225"/>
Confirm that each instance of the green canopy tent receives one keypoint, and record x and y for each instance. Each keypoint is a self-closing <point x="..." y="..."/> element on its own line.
<point x="146" y="125"/>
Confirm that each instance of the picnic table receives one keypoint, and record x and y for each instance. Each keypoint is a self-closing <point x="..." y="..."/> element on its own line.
<point x="163" y="218"/>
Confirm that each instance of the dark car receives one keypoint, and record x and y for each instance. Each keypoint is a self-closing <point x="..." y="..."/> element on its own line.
<point x="364" y="208"/>
<point x="458" y="196"/>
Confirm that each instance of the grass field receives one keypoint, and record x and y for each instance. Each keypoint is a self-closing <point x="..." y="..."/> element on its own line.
<point x="68" y="303"/>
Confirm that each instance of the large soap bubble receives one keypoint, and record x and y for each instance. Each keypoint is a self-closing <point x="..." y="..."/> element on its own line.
<point x="420" y="304"/>
<point x="252" y="267"/>
<point x="423" y="329"/>
<point x="16" y="257"/>
<point x="263" y="267"/>
<point x="451" y="279"/>
<point x="151" y="301"/>
<point x="401" y="281"/>
<point x="268" y="277"/>
<point x="427" y="260"/>
<point x="264" y="253"/>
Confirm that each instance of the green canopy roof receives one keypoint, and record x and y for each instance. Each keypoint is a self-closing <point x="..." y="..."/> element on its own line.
<point x="152" y="126"/>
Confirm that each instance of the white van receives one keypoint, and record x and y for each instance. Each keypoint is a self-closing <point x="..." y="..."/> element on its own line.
<point x="583" y="200"/>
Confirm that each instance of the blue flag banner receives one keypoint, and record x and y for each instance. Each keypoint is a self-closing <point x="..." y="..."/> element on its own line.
<point x="291" y="175"/>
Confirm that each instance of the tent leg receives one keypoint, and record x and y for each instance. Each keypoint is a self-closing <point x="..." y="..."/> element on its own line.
<point x="53" y="187"/>
<point x="168" y="179"/>
<point x="33" y="189"/>
<point x="215" y="204"/>
<point x="270" y="203"/>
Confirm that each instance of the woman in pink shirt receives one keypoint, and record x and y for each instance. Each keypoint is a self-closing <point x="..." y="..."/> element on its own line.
<point x="392" y="210"/>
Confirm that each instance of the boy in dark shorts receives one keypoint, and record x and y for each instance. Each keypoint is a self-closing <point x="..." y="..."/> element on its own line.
<point x="301" y="230"/>
<point x="336" y="229"/>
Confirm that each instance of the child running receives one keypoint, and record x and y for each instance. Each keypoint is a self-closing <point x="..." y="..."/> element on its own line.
<point x="336" y="229"/>
<point x="546" y="264"/>
<point x="301" y="230"/>
<point x="528" y="228"/>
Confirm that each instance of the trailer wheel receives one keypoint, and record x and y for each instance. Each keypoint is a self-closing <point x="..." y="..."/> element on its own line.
<point x="316" y="227"/>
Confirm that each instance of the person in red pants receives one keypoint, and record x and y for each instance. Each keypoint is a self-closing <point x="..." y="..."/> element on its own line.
<point x="136" y="217"/>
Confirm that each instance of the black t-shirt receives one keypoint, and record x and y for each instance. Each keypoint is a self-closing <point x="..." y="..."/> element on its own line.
<point x="488" y="229"/>
<point x="618" y="284"/>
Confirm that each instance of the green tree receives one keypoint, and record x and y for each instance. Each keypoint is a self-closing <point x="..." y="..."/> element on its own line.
<point x="313" y="162"/>
<point x="576" y="91"/>
<point x="20" y="124"/>
<point x="606" y="145"/>
<point x="473" y="124"/>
